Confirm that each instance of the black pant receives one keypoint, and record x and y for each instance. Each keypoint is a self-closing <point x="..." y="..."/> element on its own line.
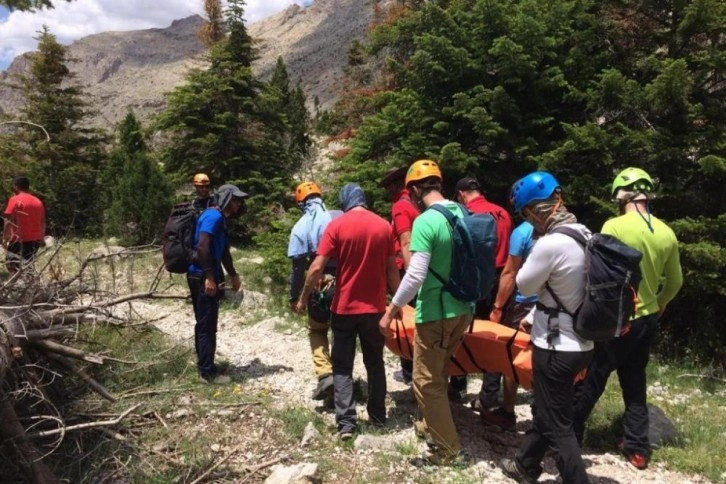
<point x="512" y="314"/>
<point x="345" y="329"/>
<point x="553" y="373"/>
<point x="21" y="253"/>
<point x="628" y="355"/>
<point x="206" y="314"/>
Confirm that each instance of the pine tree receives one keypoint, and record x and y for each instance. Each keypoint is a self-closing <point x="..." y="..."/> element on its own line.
<point x="141" y="196"/>
<point x="63" y="170"/>
<point x="27" y="5"/>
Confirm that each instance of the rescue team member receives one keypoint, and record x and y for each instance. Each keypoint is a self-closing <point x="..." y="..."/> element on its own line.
<point x="441" y="319"/>
<point x="362" y="244"/>
<point x="628" y="355"/>
<point x="304" y="240"/>
<point x="204" y="198"/>
<point x="556" y="260"/>
<point x="205" y="275"/>
<point x="24" y="228"/>
<point x="403" y="213"/>
<point x="468" y="192"/>
<point x="510" y="308"/>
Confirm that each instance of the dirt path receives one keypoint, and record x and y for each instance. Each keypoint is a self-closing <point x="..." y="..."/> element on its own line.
<point x="278" y="363"/>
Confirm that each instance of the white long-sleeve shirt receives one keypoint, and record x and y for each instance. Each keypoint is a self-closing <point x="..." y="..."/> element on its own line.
<point x="559" y="260"/>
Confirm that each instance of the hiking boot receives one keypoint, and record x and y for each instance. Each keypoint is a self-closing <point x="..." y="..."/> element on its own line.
<point x="461" y="460"/>
<point x="499" y="418"/>
<point x="403" y="377"/>
<point x="345" y="435"/>
<point x="216" y="379"/>
<point x="635" y="459"/>
<point x="324" y="388"/>
<point x="511" y="469"/>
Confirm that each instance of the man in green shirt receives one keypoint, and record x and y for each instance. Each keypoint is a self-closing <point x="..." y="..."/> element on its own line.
<point x="628" y="354"/>
<point x="441" y="319"/>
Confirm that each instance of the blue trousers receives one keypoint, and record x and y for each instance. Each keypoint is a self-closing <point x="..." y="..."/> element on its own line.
<point x="206" y="313"/>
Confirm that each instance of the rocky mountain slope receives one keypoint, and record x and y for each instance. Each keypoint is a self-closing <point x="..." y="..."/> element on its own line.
<point x="122" y="70"/>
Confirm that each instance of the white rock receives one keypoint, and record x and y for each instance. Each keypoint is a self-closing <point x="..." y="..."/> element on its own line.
<point x="215" y="447"/>
<point x="297" y="474"/>
<point x="309" y="435"/>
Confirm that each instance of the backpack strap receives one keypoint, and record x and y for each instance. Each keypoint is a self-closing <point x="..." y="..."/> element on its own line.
<point x="451" y="219"/>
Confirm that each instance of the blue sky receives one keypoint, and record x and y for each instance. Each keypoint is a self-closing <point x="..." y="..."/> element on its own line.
<point x="71" y="21"/>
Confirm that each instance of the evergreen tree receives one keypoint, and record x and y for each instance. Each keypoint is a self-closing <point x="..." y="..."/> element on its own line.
<point x="141" y="196"/>
<point x="224" y="122"/>
<point x="27" y="5"/>
<point x="63" y="170"/>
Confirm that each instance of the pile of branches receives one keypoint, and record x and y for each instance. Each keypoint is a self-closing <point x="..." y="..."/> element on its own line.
<point x="40" y="316"/>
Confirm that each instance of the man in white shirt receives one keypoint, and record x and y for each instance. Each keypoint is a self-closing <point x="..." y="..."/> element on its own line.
<point x="557" y="261"/>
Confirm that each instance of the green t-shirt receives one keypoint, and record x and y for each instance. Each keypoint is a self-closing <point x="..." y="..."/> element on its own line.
<point x="660" y="264"/>
<point x="431" y="233"/>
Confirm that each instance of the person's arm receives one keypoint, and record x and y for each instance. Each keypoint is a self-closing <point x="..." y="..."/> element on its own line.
<point x="536" y="270"/>
<point x="407" y="289"/>
<point x="315" y="272"/>
<point x="405" y="241"/>
<point x="204" y="256"/>
<point x="6" y="231"/>
<point x="229" y="267"/>
<point x="297" y="278"/>
<point x="673" y="279"/>
<point x="506" y="287"/>
<point x="393" y="277"/>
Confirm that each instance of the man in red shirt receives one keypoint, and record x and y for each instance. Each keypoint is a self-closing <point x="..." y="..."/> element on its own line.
<point x="403" y="213"/>
<point x="362" y="243"/>
<point x="24" y="227"/>
<point x="468" y="192"/>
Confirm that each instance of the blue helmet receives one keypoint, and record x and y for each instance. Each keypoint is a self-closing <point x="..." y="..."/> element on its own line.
<point x="538" y="185"/>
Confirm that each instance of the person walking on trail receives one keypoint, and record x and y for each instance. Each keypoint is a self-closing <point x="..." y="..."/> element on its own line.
<point x="403" y="213"/>
<point x="441" y="319"/>
<point x="204" y="198"/>
<point x="468" y="192"/>
<point x="628" y="354"/>
<point x="304" y="240"/>
<point x="557" y="262"/>
<point x="24" y="226"/>
<point x="205" y="274"/>
<point x="362" y="244"/>
<point x="510" y="308"/>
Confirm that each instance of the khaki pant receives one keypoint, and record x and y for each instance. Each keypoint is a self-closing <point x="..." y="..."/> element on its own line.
<point x="318" y="335"/>
<point x="434" y="344"/>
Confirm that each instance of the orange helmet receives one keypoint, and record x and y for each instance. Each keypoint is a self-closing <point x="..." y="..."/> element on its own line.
<point x="200" y="180"/>
<point x="423" y="169"/>
<point x="305" y="189"/>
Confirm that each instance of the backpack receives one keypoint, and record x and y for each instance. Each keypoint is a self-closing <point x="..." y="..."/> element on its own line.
<point x="178" y="240"/>
<point x="612" y="277"/>
<point x="473" y="244"/>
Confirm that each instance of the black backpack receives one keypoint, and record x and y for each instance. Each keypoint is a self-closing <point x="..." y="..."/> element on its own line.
<point x="178" y="240"/>
<point x="612" y="277"/>
<point x="473" y="245"/>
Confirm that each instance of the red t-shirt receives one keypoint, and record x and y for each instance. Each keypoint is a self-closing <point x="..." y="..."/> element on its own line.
<point x="25" y="213"/>
<point x="403" y="213"/>
<point x="504" y="226"/>
<point x="361" y="242"/>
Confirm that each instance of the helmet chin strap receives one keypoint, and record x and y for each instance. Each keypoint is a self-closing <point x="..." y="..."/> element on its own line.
<point x="647" y="218"/>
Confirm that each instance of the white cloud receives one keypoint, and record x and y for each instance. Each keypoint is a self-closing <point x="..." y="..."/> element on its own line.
<point x="71" y="21"/>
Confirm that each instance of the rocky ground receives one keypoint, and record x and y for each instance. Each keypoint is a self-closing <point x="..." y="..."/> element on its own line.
<point x="271" y="356"/>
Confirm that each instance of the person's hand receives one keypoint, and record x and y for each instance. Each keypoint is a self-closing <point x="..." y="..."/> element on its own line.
<point x="496" y="314"/>
<point x="236" y="283"/>
<point x="524" y="326"/>
<point x="293" y="305"/>
<point x="384" y="325"/>
<point x="210" y="286"/>
<point x="301" y="306"/>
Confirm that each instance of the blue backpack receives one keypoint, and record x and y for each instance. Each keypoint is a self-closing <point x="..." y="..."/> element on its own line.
<point x="473" y="244"/>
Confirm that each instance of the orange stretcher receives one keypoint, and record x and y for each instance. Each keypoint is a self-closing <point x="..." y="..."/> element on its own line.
<point x="486" y="347"/>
